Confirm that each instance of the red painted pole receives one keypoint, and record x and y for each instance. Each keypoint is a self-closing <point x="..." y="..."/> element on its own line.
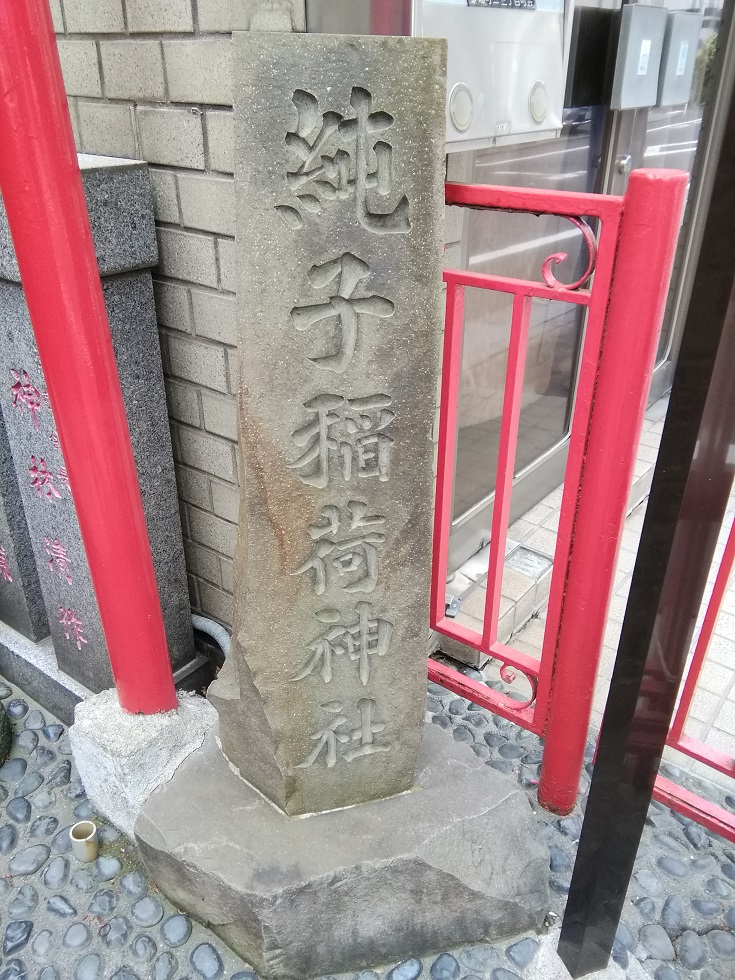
<point x="648" y="233"/>
<point x="44" y="200"/>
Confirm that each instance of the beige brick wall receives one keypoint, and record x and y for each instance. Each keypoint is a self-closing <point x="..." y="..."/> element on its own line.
<point x="152" y="79"/>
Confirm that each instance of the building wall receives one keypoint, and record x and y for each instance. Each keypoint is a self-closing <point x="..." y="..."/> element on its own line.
<point x="152" y="79"/>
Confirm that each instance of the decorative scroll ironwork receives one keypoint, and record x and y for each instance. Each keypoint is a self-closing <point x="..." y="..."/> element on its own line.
<point x="591" y="243"/>
<point x="509" y="674"/>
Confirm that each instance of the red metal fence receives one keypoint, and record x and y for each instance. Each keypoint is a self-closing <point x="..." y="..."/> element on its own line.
<point x="630" y="255"/>
<point x="690" y="804"/>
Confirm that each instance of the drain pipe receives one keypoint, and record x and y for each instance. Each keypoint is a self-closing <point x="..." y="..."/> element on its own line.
<point x="217" y="632"/>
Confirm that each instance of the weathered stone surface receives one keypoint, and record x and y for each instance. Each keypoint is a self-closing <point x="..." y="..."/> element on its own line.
<point x="21" y="601"/>
<point x="347" y="877"/>
<point x="55" y="536"/>
<point x="321" y="701"/>
<point x="122" y="758"/>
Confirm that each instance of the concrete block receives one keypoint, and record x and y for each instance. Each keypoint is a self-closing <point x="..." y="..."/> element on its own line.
<point x="199" y="70"/>
<point x="183" y="403"/>
<point x="202" y="562"/>
<point x="57" y="16"/>
<point x="233" y="369"/>
<point x="187" y="256"/>
<point x="173" y="137"/>
<point x="227" y="571"/>
<point x="220" y="416"/>
<point x="198" y="361"/>
<point x="220" y="137"/>
<point x="165" y="197"/>
<point x="118" y="199"/>
<point x="219" y="535"/>
<point x="214" y="316"/>
<point x="80" y="67"/>
<point x="100" y="17"/>
<point x="107" y="129"/>
<point x="215" y="15"/>
<point x="157" y="16"/>
<point x="74" y="119"/>
<point x="208" y="203"/>
<point x="194" y="487"/>
<point x="172" y="306"/>
<point x="268" y="15"/>
<point x="133" y="69"/>
<point x="227" y="264"/>
<point x="216" y="603"/>
<point x="226" y="501"/>
<point x="208" y="453"/>
<point x="194" y="593"/>
<point x="122" y="758"/>
<point x="330" y="893"/>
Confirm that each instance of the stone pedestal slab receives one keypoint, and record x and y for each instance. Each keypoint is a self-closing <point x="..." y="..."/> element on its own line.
<point x="455" y="860"/>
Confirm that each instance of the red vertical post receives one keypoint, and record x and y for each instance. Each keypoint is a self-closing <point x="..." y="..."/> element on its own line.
<point x="510" y="420"/>
<point x="42" y="190"/>
<point x="447" y="444"/>
<point x="719" y="589"/>
<point x="648" y="233"/>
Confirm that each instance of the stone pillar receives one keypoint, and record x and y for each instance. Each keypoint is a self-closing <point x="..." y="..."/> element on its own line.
<point x="387" y="837"/>
<point x="21" y="601"/>
<point x="340" y="195"/>
<point x="119" y="203"/>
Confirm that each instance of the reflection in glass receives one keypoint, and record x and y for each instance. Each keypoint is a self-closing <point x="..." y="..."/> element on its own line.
<point x="516" y="245"/>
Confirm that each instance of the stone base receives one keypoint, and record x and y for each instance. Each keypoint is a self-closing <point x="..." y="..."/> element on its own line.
<point x="34" y="669"/>
<point x="455" y="861"/>
<point x="122" y="758"/>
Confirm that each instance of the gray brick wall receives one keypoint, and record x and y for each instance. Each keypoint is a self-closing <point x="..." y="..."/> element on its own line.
<point x="152" y="80"/>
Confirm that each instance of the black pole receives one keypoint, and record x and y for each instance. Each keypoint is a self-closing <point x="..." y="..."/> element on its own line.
<point x="691" y="485"/>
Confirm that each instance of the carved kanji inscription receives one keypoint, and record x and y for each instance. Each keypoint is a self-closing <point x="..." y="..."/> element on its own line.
<point x="344" y="275"/>
<point x="358" y="642"/>
<point x="345" y="548"/>
<point x="341" y="158"/>
<point x="337" y="740"/>
<point x="346" y="437"/>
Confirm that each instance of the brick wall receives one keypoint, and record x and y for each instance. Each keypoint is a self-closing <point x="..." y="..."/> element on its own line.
<point x="152" y="79"/>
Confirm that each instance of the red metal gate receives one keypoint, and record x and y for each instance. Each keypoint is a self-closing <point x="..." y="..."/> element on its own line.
<point x="713" y="817"/>
<point x="624" y="287"/>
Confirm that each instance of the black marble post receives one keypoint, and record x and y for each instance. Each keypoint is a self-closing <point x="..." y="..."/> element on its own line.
<point x="691" y="485"/>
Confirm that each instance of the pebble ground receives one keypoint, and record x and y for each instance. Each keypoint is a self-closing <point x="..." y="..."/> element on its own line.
<point x="61" y="920"/>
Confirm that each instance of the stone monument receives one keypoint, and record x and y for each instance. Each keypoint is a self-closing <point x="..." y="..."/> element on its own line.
<point x="328" y="827"/>
<point x="21" y="601"/>
<point x="121" y="216"/>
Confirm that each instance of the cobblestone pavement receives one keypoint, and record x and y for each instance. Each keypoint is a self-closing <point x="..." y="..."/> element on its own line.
<point x="61" y="920"/>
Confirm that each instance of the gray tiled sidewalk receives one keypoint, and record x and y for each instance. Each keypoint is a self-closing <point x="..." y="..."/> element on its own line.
<point x="712" y="716"/>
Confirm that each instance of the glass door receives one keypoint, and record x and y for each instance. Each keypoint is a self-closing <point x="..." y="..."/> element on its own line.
<point x="517" y="245"/>
<point x="595" y="152"/>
